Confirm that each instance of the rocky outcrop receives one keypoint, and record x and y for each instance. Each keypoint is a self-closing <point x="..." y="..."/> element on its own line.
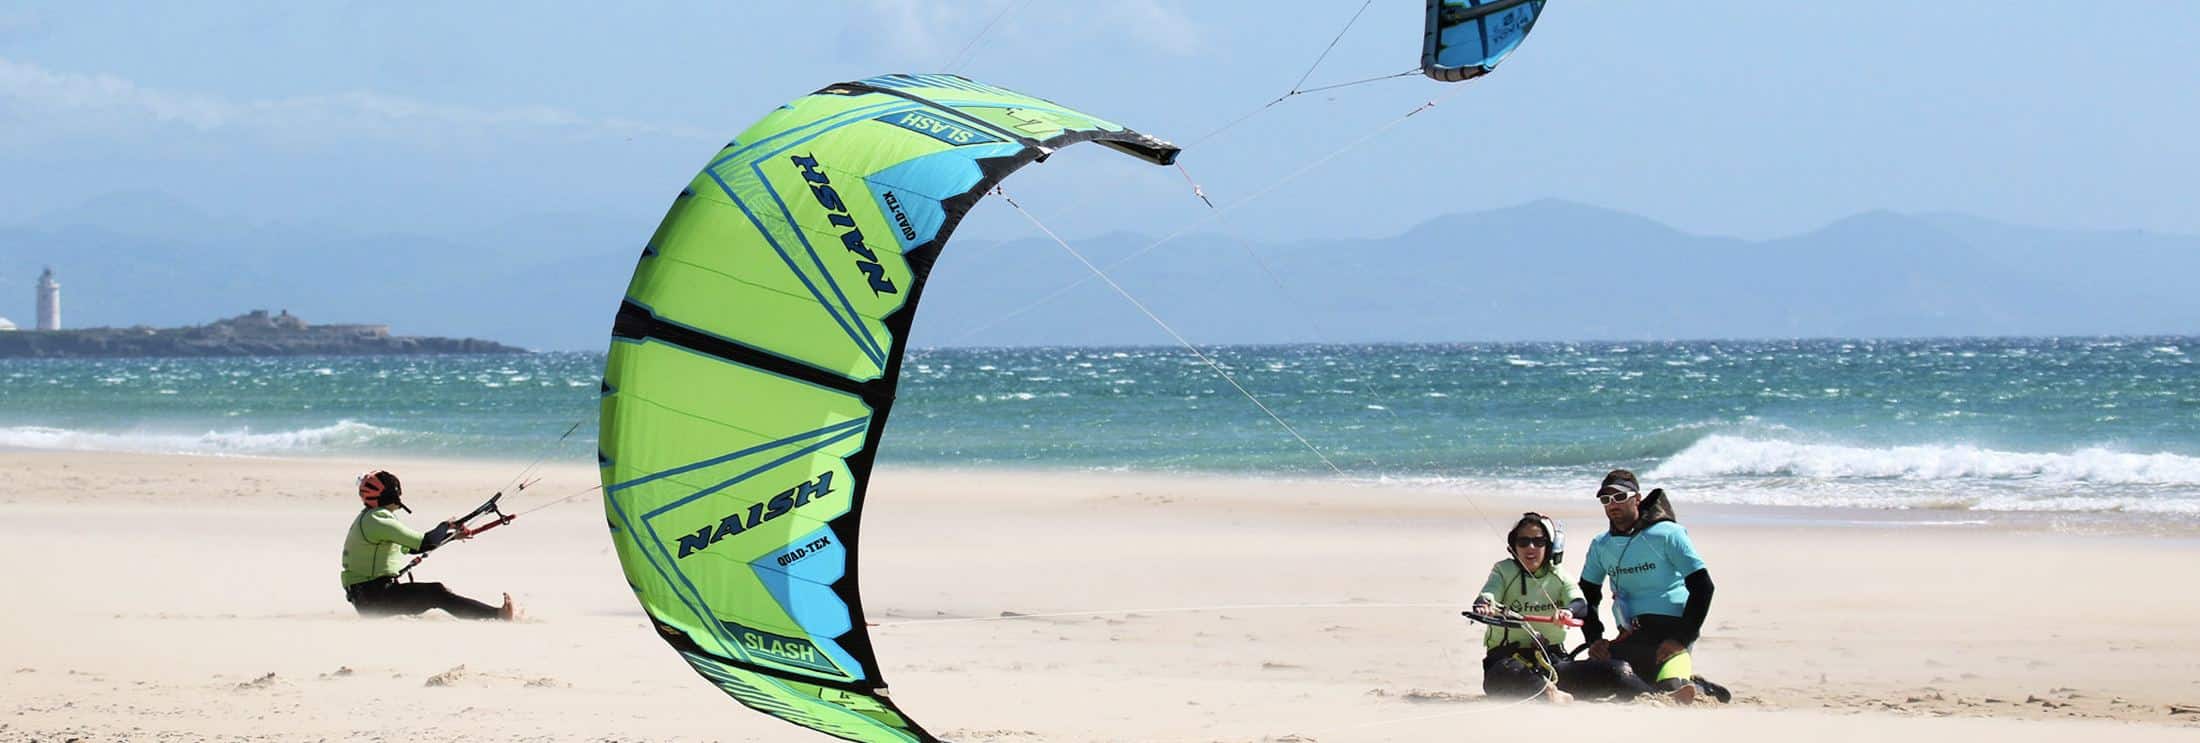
<point x="253" y="334"/>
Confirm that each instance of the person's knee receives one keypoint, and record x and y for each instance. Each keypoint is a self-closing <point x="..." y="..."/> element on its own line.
<point x="1680" y="666"/>
<point x="1511" y="677"/>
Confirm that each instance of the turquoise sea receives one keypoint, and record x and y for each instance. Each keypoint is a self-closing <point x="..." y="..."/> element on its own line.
<point x="2069" y="424"/>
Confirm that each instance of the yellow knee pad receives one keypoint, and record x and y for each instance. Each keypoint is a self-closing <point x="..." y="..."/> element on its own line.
<point x="1680" y="666"/>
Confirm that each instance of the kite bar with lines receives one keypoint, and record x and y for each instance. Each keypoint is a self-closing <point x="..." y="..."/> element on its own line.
<point x="1516" y="620"/>
<point x="462" y="530"/>
<point x="518" y="484"/>
<point x="491" y="507"/>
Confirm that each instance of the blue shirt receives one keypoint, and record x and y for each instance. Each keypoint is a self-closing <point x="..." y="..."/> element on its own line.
<point x="1648" y="570"/>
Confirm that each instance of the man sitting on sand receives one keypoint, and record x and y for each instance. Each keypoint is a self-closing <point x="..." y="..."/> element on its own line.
<point x="375" y="550"/>
<point x="1661" y="591"/>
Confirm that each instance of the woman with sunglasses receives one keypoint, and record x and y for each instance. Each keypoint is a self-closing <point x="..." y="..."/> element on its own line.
<point x="1661" y="590"/>
<point x="1516" y="663"/>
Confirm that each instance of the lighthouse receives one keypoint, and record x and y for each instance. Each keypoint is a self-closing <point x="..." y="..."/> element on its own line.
<point x="49" y="301"/>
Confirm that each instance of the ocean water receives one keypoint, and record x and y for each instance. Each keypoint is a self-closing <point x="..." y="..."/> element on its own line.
<point x="2057" y="425"/>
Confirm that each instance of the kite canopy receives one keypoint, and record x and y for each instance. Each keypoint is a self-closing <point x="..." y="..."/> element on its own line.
<point x="753" y="362"/>
<point x="1467" y="38"/>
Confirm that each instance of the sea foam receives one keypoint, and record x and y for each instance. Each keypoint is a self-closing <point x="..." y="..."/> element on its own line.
<point x="344" y="434"/>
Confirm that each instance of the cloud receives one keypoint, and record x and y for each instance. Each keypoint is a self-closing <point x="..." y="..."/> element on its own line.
<point x="73" y="102"/>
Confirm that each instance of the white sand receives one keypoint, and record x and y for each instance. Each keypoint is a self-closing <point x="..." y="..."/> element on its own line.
<point x="152" y="597"/>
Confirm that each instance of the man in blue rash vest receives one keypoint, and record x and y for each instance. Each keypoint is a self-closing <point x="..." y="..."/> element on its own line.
<point x="375" y="552"/>
<point x="1661" y="590"/>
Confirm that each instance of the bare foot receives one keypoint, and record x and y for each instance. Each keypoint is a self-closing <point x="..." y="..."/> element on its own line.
<point x="1684" y="695"/>
<point x="509" y="611"/>
<point x="1558" y="697"/>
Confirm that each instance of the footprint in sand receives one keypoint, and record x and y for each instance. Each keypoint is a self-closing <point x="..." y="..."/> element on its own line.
<point x="990" y="735"/>
<point x="448" y="678"/>
<point x="1425" y="695"/>
<point x="459" y="675"/>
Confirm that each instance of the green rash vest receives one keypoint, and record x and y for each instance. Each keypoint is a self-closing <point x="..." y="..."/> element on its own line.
<point x="1542" y="594"/>
<point x="376" y="546"/>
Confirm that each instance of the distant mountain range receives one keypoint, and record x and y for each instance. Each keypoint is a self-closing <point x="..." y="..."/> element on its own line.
<point x="1546" y="270"/>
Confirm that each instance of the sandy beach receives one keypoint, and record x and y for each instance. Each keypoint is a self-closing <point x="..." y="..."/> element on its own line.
<point x="170" y="597"/>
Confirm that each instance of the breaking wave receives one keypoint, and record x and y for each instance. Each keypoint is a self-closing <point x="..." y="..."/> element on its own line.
<point x="1734" y="456"/>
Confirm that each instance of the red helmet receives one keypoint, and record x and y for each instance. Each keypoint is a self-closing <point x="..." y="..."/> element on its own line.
<point x="380" y="488"/>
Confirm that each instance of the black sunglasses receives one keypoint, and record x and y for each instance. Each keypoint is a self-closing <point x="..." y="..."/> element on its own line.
<point x="1531" y="542"/>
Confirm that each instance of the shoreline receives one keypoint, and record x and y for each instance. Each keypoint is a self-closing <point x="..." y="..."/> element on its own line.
<point x="1293" y="608"/>
<point x="1469" y="492"/>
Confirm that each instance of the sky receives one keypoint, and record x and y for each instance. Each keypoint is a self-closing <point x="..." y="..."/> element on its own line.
<point x="1738" y="118"/>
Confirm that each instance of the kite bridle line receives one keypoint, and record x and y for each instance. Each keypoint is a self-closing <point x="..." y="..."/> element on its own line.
<point x="461" y="530"/>
<point x="1210" y="362"/>
<point x="1312" y="322"/>
<point x="542" y="456"/>
<point x="1160" y="610"/>
<point x="575" y="494"/>
<point x="1274" y="280"/>
<point x="490" y="508"/>
<point x="958" y="60"/>
<point x="1213" y="214"/>
<point x="1292" y="176"/>
<point x="1326" y="50"/>
<point x="1296" y="90"/>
